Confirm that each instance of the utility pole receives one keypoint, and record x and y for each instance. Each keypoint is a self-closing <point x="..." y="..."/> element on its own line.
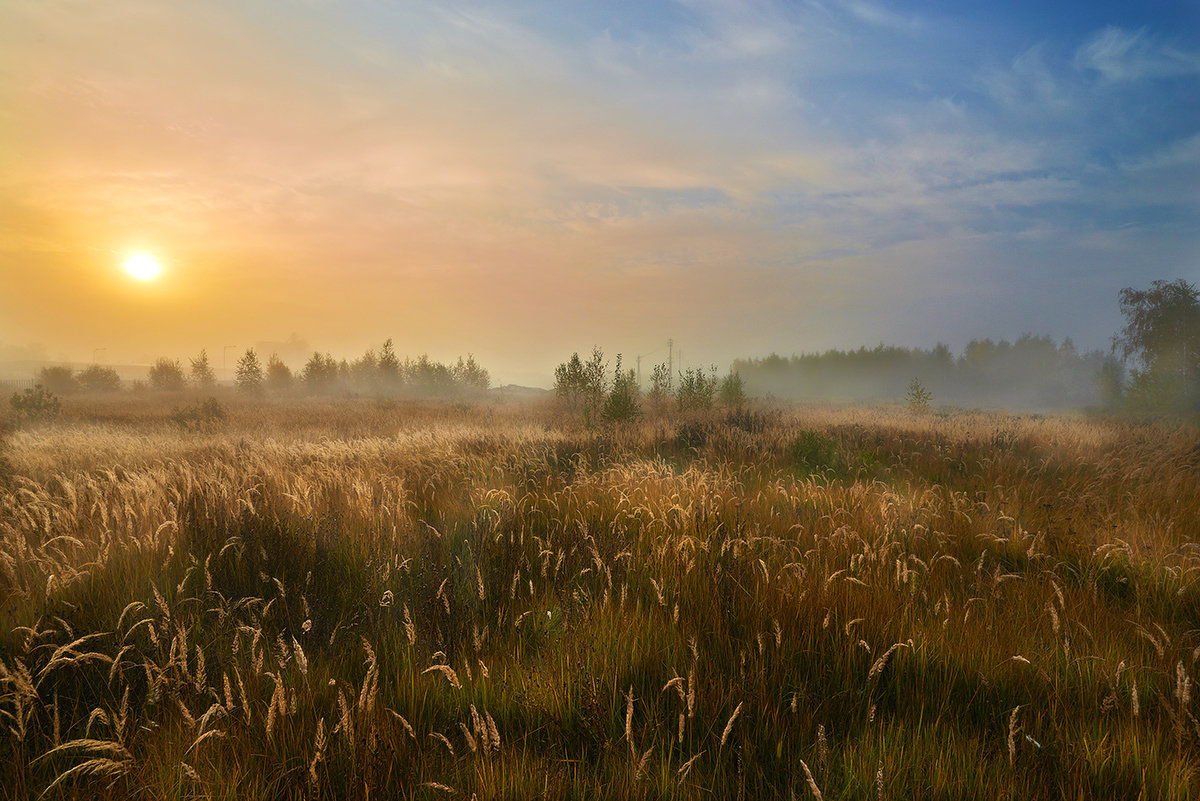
<point x="639" y="363"/>
<point x="670" y="362"/>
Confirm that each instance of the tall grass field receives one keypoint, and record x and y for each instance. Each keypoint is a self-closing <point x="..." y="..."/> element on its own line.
<point x="366" y="599"/>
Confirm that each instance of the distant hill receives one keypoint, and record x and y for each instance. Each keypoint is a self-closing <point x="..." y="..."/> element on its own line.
<point x="518" y="391"/>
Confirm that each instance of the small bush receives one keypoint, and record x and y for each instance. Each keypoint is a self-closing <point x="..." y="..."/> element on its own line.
<point x="205" y="415"/>
<point x="35" y="405"/>
<point x="99" y="379"/>
<point x="750" y="421"/>
<point x="813" y="451"/>
<point x="918" y="397"/>
<point x="6" y="468"/>
<point x="691" y="436"/>
<point x="58" y="380"/>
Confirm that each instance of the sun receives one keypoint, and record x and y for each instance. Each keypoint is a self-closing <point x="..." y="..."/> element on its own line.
<point x="142" y="266"/>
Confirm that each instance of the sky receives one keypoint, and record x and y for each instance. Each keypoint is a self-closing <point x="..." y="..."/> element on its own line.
<point x="521" y="180"/>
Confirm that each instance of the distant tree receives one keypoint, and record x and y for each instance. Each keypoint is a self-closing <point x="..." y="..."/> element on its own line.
<point x="167" y="374"/>
<point x="1162" y="338"/>
<point x="279" y="376"/>
<point x="58" y="380"/>
<point x="249" y="375"/>
<point x="917" y="396"/>
<point x="388" y="367"/>
<point x="569" y="382"/>
<point x="623" y="404"/>
<point x="364" y="370"/>
<point x="1162" y="326"/>
<point x="660" y="386"/>
<point x="696" y="390"/>
<point x="320" y="373"/>
<point x="470" y="375"/>
<point x="732" y="391"/>
<point x="202" y="374"/>
<point x="581" y="385"/>
<point x="1110" y="381"/>
<point x="428" y="377"/>
<point x="99" y="379"/>
<point x="594" y="386"/>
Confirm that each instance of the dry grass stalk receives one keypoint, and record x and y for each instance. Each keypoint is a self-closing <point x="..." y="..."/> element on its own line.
<point x="629" y="720"/>
<point x="446" y="671"/>
<point x="470" y="739"/>
<point x="495" y="733"/>
<point x="441" y="738"/>
<point x="403" y="722"/>
<point x="687" y="766"/>
<point x="1013" y="729"/>
<point x="729" y="726"/>
<point x="812" y="784"/>
<point x="641" y="766"/>
<point x="881" y="662"/>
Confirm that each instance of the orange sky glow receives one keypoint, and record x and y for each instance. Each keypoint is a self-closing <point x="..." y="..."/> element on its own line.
<point x="463" y="180"/>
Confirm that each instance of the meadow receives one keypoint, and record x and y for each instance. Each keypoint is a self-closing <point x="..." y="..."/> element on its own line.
<point x="365" y="598"/>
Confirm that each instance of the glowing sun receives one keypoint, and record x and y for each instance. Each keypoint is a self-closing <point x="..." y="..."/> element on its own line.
<point x="142" y="266"/>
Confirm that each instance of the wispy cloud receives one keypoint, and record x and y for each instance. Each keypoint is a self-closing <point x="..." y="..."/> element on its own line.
<point x="1120" y="55"/>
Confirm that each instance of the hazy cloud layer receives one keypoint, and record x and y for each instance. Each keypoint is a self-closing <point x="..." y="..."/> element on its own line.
<point x="524" y="180"/>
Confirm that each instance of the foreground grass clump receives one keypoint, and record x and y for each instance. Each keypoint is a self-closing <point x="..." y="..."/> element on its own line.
<point x="380" y="600"/>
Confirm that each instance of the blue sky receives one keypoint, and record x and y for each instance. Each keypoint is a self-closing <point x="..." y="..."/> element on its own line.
<point x="520" y="179"/>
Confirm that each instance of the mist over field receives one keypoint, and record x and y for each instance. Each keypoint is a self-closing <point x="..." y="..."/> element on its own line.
<point x="515" y="399"/>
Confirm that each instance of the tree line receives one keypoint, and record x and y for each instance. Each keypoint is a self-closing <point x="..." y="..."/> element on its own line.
<point x="376" y="371"/>
<point x="1031" y="372"/>
<point x="1151" y="368"/>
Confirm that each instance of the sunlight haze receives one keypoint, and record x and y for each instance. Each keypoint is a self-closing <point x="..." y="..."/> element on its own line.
<point x="523" y="180"/>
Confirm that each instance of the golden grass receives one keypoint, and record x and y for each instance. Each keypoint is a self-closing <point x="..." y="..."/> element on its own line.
<point x="414" y="600"/>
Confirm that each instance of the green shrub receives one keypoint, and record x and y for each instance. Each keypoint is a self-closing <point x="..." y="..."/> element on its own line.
<point x="813" y="451"/>
<point x="750" y="421"/>
<point x="691" y="436"/>
<point x="696" y="390"/>
<point x="36" y="405"/>
<point x="733" y="391"/>
<point x="205" y="415"/>
<point x="917" y="396"/>
<point x="623" y="404"/>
